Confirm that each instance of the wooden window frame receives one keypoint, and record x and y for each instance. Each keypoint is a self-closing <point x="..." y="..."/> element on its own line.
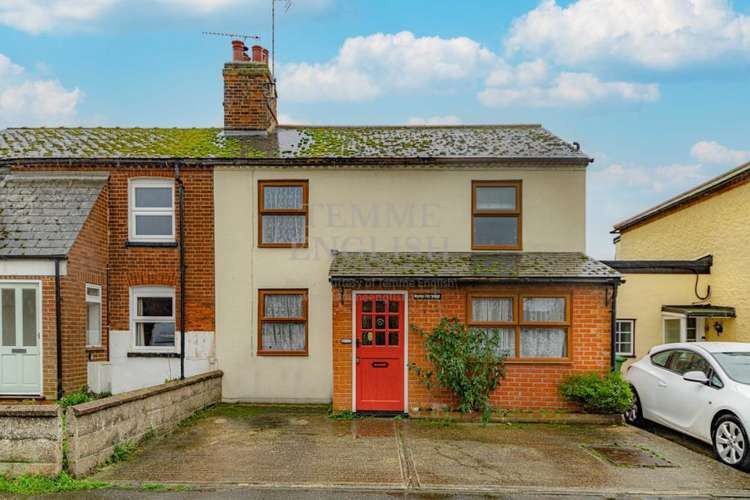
<point x="304" y="184"/>
<point x="262" y="293"/>
<point x="518" y="322"/>
<point x="632" y="337"/>
<point x="516" y="213"/>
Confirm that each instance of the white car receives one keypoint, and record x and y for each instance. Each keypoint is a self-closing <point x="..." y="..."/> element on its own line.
<point x="699" y="388"/>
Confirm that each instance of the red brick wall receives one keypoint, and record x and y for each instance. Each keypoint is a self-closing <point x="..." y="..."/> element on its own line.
<point x="249" y="99"/>
<point x="526" y="385"/>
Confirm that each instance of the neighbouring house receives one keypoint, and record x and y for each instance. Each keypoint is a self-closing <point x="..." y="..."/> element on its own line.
<point x="314" y="250"/>
<point x="684" y="263"/>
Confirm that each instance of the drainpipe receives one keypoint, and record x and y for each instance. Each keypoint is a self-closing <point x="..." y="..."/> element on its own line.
<point x="613" y="326"/>
<point x="58" y="330"/>
<point x="181" y="209"/>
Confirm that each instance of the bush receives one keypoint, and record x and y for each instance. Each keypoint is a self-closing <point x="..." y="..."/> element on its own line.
<point x="465" y="361"/>
<point x="610" y="394"/>
<point x="82" y="395"/>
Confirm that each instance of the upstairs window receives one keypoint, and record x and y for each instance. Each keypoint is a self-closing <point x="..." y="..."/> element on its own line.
<point x="153" y="318"/>
<point x="151" y="210"/>
<point x="283" y="214"/>
<point x="496" y="215"/>
<point x="93" y="315"/>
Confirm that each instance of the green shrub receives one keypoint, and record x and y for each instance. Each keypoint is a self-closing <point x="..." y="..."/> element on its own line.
<point x="610" y="394"/>
<point x="465" y="361"/>
<point x="82" y="395"/>
<point x="36" y="485"/>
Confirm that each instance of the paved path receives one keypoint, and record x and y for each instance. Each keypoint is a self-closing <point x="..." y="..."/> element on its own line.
<point x="247" y="447"/>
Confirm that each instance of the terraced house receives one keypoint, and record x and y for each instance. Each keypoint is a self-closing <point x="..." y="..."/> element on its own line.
<point x="297" y="258"/>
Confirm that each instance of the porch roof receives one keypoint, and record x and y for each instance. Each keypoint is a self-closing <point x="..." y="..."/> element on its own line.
<point x="702" y="311"/>
<point x="42" y="213"/>
<point x="471" y="266"/>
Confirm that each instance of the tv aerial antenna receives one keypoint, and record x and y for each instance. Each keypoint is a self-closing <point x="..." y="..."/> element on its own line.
<point x="239" y="36"/>
<point x="287" y="6"/>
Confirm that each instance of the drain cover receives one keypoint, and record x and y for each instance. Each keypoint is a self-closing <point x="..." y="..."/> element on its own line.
<point x="631" y="457"/>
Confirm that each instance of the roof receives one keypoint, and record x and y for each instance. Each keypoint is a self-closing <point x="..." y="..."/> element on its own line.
<point x="287" y="142"/>
<point x="702" y="311"/>
<point x="41" y="214"/>
<point x="470" y="266"/>
<point x="723" y="181"/>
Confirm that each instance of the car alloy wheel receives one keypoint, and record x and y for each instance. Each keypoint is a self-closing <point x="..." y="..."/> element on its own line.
<point x="634" y="415"/>
<point x="730" y="442"/>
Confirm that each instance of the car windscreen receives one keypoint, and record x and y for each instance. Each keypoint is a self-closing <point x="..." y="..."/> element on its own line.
<point x="735" y="364"/>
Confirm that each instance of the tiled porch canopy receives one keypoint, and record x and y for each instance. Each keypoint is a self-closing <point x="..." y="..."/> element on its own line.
<point x="506" y="267"/>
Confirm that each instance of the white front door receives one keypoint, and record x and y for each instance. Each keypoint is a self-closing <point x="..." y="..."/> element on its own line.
<point x="20" y="328"/>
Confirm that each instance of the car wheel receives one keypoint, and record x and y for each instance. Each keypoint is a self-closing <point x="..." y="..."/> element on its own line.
<point x="634" y="414"/>
<point x="731" y="443"/>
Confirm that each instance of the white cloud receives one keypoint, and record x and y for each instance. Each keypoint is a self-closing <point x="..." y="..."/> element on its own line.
<point x="37" y="16"/>
<point x="714" y="152"/>
<point x="654" y="33"/>
<point x="529" y="84"/>
<point x="368" y="66"/>
<point x="435" y="120"/>
<point x="28" y="101"/>
<point x="286" y="119"/>
<point x="655" y="179"/>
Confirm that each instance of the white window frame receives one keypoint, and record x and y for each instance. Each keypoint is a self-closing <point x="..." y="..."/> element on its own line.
<point x="699" y="326"/>
<point x="94" y="300"/>
<point x="152" y="291"/>
<point x="632" y="337"/>
<point x="133" y="211"/>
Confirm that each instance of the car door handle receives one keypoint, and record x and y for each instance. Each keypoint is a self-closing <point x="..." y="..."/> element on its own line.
<point x="661" y="383"/>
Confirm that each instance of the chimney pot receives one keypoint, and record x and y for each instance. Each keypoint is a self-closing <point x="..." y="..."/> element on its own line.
<point x="238" y="50"/>
<point x="257" y="53"/>
<point x="265" y="56"/>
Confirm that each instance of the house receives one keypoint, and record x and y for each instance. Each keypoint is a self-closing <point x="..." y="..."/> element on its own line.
<point x="684" y="263"/>
<point x="310" y="251"/>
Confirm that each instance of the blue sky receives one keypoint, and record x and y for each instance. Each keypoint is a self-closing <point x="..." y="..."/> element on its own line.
<point x="655" y="90"/>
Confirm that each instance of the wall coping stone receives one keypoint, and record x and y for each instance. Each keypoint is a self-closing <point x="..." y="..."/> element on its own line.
<point x="137" y="395"/>
<point x="24" y="410"/>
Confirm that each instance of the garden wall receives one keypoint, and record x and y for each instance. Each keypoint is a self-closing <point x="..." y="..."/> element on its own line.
<point x="94" y="429"/>
<point x="30" y="439"/>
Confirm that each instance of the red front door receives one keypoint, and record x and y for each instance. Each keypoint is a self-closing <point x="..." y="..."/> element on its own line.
<point x="380" y="352"/>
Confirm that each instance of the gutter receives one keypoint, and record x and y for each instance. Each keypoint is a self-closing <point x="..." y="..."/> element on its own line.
<point x="181" y="215"/>
<point x="613" y="328"/>
<point x="344" y="280"/>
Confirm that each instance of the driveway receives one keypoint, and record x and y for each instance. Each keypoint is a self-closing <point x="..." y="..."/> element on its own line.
<point x="287" y="447"/>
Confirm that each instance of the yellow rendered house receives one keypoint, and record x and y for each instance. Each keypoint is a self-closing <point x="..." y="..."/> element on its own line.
<point x="686" y="265"/>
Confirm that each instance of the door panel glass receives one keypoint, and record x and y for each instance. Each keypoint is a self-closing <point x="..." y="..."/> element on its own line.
<point x="393" y="307"/>
<point x="367" y="322"/>
<point x="366" y="338"/>
<point x="671" y="330"/>
<point x="393" y="322"/>
<point x="393" y="338"/>
<point x="380" y="306"/>
<point x="8" y="306"/>
<point x="379" y="338"/>
<point x="367" y="306"/>
<point x="691" y="333"/>
<point x="28" y="297"/>
<point x="380" y="322"/>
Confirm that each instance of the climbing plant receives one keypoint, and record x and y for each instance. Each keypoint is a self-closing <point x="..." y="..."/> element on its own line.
<point x="465" y="361"/>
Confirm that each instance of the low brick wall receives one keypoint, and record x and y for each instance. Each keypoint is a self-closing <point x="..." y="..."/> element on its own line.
<point x="95" y="428"/>
<point x="30" y="439"/>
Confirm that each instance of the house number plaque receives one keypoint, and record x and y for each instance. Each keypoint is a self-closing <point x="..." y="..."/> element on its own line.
<point x="427" y="296"/>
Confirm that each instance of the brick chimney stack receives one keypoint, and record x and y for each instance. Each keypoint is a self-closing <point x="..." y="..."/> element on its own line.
<point x="249" y="92"/>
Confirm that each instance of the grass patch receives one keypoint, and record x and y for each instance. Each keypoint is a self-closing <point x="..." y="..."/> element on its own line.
<point x="37" y="485"/>
<point x="165" y="487"/>
<point x="82" y="395"/>
<point x="342" y="415"/>
<point x="122" y="452"/>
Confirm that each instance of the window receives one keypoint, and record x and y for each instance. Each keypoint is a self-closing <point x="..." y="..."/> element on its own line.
<point x="93" y="315"/>
<point x="691" y="329"/>
<point x="625" y="337"/>
<point x="496" y="215"/>
<point x="526" y="327"/>
<point x="282" y="322"/>
<point x="688" y="361"/>
<point x="283" y="213"/>
<point x="153" y="319"/>
<point x="661" y="358"/>
<point x="682" y="328"/>
<point x="151" y="210"/>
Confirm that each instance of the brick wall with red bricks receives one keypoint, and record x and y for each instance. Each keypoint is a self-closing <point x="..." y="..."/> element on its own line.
<point x="527" y="385"/>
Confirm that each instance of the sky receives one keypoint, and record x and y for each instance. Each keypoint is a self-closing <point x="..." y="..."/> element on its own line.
<point x="656" y="91"/>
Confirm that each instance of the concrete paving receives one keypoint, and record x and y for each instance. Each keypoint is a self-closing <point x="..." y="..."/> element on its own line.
<point x="232" y="447"/>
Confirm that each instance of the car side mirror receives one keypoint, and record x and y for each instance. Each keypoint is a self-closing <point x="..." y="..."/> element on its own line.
<point x="696" y="376"/>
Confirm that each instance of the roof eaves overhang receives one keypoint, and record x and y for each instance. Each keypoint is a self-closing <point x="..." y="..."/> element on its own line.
<point x="34" y="257"/>
<point x="310" y="161"/>
<point x="700" y="311"/>
<point x="349" y="281"/>
<point x="697" y="266"/>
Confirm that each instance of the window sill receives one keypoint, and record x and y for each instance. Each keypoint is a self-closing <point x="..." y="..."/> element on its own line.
<point x="95" y="348"/>
<point x="565" y="361"/>
<point x="151" y="244"/>
<point x="282" y="353"/>
<point x="153" y="354"/>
